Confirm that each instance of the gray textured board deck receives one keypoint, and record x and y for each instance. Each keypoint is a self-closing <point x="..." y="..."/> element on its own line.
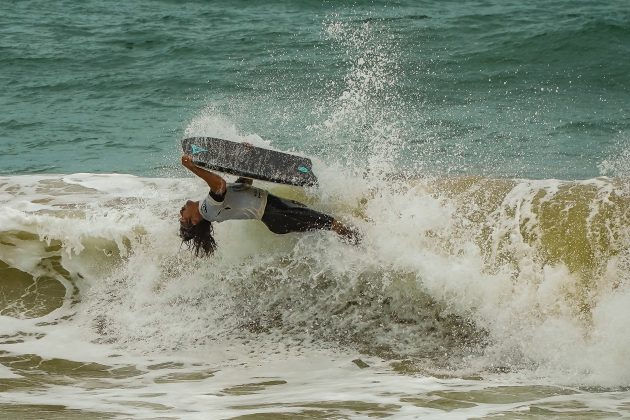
<point x="250" y="161"/>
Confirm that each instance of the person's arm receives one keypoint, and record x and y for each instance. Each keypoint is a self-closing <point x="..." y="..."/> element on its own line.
<point x="215" y="182"/>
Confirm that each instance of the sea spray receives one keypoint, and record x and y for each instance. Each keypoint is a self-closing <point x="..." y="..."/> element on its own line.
<point x="361" y="110"/>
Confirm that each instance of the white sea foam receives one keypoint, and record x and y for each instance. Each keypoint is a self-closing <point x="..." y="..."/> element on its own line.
<point x="157" y="297"/>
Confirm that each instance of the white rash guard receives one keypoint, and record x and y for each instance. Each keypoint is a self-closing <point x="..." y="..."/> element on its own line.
<point x="241" y="201"/>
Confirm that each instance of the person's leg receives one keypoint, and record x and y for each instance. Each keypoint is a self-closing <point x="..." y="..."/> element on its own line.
<point x="284" y="216"/>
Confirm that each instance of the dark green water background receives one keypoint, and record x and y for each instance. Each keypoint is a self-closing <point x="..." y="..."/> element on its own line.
<point x="536" y="89"/>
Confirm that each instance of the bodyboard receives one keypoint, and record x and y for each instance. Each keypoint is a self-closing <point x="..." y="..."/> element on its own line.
<point x="250" y="161"/>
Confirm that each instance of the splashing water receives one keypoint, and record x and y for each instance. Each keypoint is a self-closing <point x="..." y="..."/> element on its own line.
<point x="361" y="110"/>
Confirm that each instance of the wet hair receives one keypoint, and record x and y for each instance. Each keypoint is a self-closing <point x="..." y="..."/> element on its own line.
<point x="199" y="238"/>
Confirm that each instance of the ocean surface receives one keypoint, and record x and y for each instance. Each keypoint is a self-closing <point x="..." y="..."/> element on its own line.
<point x="481" y="147"/>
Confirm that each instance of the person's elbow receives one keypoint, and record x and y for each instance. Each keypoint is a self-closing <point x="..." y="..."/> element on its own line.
<point x="220" y="187"/>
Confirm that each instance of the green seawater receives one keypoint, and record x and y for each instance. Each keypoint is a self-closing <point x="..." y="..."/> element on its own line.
<point x="495" y="88"/>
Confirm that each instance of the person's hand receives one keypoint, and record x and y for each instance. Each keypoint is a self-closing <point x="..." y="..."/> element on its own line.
<point x="187" y="161"/>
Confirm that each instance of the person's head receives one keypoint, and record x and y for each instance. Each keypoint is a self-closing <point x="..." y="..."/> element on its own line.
<point x="196" y="231"/>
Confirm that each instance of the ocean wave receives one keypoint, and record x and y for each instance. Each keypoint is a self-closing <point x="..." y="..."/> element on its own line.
<point x="567" y="44"/>
<point x="507" y="274"/>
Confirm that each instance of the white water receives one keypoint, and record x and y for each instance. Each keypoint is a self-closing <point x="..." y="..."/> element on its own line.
<point x="298" y="308"/>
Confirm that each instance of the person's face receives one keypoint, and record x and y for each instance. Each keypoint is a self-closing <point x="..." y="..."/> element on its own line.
<point x="189" y="214"/>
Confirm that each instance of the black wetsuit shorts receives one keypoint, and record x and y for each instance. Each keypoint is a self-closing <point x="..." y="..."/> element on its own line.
<point x="285" y="216"/>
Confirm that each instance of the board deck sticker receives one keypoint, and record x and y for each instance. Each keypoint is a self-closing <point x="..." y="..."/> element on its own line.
<point x="250" y="161"/>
